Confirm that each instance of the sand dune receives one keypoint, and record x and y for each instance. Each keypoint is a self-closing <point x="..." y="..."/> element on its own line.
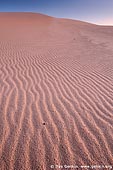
<point x="56" y="93"/>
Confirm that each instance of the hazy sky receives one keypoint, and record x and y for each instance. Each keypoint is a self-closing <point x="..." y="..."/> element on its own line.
<point x="95" y="11"/>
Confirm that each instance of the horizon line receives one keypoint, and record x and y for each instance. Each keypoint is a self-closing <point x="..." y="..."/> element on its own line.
<point x="74" y="19"/>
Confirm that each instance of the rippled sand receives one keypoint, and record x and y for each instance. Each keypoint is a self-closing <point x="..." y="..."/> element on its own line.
<point x="56" y="93"/>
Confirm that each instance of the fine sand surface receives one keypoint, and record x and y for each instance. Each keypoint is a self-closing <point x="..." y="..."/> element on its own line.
<point x="56" y="93"/>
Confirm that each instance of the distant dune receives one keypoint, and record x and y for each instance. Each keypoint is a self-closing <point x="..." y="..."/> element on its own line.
<point x="56" y="93"/>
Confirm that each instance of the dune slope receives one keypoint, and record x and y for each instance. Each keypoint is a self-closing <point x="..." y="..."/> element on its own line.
<point x="56" y="93"/>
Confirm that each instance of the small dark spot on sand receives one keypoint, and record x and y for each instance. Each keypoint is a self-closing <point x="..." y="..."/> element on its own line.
<point x="44" y="123"/>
